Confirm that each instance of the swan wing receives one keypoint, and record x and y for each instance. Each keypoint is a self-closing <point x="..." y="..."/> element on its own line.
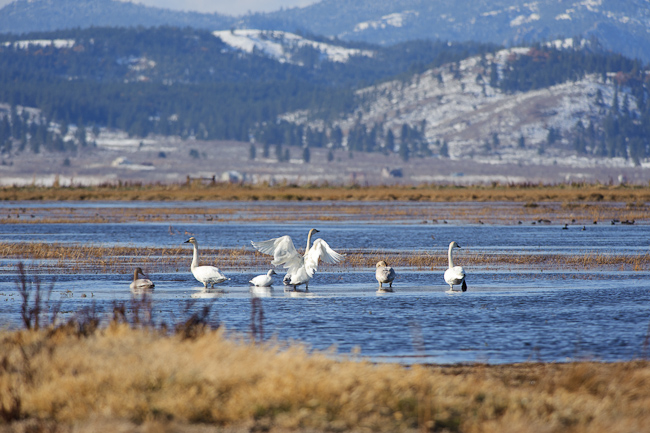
<point x="320" y="250"/>
<point x="282" y="250"/>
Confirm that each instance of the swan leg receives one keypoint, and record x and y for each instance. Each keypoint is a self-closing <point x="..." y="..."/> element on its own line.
<point x="390" y="284"/>
<point x="380" y="286"/>
<point x="464" y="286"/>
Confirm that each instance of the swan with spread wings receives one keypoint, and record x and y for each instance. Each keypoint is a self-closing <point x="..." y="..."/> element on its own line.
<point x="300" y="268"/>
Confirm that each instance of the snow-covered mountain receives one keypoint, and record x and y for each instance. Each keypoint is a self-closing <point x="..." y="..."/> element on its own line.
<point x="284" y="46"/>
<point x="619" y="25"/>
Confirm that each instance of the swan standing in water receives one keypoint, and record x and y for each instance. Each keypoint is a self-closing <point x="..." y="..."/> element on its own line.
<point x="265" y="280"/>
<point x="206" y="274"/>
<point x="385" y="274"/>
<point x="455" y="274"/>
<point x="301" y="268"/>
<point x="139" y="284"/>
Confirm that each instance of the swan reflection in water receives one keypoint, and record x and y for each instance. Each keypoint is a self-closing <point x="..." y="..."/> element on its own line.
<point x="261" y="291"/>
<point x="208" y="293"/>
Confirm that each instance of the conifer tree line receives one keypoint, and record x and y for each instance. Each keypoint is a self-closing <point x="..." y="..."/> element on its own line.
<point x="624" y="130"/>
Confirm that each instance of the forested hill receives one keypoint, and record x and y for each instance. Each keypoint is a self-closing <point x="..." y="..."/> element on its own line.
<point x="188" y="82"/>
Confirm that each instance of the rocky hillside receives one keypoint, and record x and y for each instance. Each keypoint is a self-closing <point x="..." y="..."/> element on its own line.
<point x="457" y="112"/>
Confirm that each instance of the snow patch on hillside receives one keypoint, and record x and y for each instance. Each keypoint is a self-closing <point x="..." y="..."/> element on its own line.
<point x="522" y="19"/>
<point x="281" y="45"/>
<point x="57" y="43"/>
<point x="398" y="19"/>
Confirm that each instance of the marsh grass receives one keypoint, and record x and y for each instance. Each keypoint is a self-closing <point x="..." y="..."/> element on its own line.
<point x="122" y="259"/>
<point x="67" y="378"/>
<point x="524" y="193"/>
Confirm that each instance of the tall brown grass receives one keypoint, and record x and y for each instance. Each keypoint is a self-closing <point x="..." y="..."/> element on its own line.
<point x="142" y="375"/>
<point x="73" y="258"/>
<point x="525" y="193"/>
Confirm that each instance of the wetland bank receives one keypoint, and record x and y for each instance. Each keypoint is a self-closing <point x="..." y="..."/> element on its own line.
<point x="553" y="334"/>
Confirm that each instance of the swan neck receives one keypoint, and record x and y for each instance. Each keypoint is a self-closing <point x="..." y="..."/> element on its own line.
<point x="195" y="257"/>
<point x="135" y="275"/>
<point x="308" y="241"/>
<point x="451" y="261"/>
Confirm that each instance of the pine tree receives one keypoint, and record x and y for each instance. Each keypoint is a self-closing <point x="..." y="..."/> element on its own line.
<point x="444" y="149"/>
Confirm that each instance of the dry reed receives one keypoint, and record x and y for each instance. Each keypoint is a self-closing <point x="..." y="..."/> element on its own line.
<point x="525" y="193"/>
<point x="119" y="372"/>
<point x="73" y="258"/>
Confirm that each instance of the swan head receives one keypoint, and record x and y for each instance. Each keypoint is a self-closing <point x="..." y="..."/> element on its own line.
<point x="138" y="272"/>
<point x="312" y="231"/>
<point x="191" y="240"/>
<point x="382" y="264"/>
<point x="271" y="272"/>
<point x="454" y="245"/>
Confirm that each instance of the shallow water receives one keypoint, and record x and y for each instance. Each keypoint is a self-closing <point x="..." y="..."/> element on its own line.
<point x="526" y="314"/>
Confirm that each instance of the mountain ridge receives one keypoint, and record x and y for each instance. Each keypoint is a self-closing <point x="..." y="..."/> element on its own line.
<point x="619" y="25"/>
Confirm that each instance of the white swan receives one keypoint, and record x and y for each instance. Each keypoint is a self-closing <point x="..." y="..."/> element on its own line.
<point x="139" y="284"/>
<point x="455" y="274"/>
<point x="385" y="274"/>
<point x="301" y="268"/>
<point x="206" y="274"/>
<point x="265" y="280"/>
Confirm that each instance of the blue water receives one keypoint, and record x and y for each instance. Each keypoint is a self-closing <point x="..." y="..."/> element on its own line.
<point x="507" y="315"/>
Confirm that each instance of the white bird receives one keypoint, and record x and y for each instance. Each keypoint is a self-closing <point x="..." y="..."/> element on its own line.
<point x="140" y="283"/>
<point x="301" y="268"/>
<point x="455" y="274"/>
<point x="206" y="274"/>
<point x="385" y="274"/>
<point x="265" y="280"/>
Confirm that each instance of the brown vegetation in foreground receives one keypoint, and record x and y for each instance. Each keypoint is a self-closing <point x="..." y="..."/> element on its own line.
<point x="88" y="378"/>
<point x="138" y="375"/>
<point x="196" y="190"/>
<point x="73" y="258"/>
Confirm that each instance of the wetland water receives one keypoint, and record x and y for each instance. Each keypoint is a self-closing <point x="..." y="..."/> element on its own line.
<point x="509" y="314"/>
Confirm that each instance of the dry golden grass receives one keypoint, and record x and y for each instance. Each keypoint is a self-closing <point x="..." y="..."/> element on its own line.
<point x="61" y="378"/>
<point x="525" y="193"/>
<point x="73" y="258"/>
